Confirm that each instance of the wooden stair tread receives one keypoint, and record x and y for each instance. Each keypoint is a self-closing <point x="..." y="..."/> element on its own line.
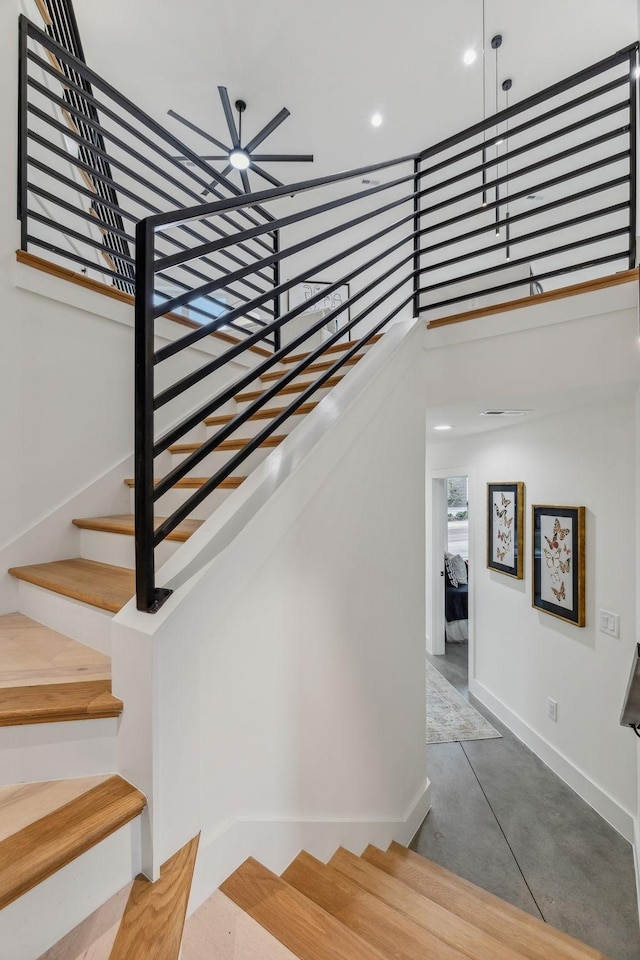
<point x="529" y="936"/>
<point x="272" y="441"/>
<point x="153" y="920"/>
<point x="32" y="654"/>
<point x="298" y="923"/>
<point x="336" y="348"/>
<point x="124" y="523"/>
<point x="448" y="927"/>
<point x="99" y="584"/>
<point x="380" y="925"/>
<point x="267" y="413"/>
<point x="295" y="386"/>
<point x="41" y="847"/>
<point x="54" y="703"/>
<point x="313" y="368"/>
<point x="193" y="483"/>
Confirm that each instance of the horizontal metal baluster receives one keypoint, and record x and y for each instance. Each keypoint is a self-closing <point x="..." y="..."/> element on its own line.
<point x="114" y="162"/>
<point x="165" y="352"/>
<point x="543" y="255"/>
<point x="179" y="515"/>
<point x="547" y="275"/>
<point x="204" y="411"/>
<point x="533" y="122"/>
<point x="75" y="161"/>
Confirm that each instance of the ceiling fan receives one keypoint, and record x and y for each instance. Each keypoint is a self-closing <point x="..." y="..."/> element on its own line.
<point x="239" y="157"/>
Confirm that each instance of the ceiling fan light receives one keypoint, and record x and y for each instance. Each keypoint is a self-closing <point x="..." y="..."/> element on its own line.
<point x="239" y="159"/>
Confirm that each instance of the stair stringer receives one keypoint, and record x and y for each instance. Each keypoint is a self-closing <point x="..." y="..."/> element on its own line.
<point x="279" y="691"/>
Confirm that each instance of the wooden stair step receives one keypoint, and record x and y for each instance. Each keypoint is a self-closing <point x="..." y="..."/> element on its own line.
<point x="380" y="925"/>
<point x="272" y="441"/>
<point x="294" y="387"/>
<point x="336" y="348"/>
<point x="192" y="483"/>
<point x="153" y="920"/>
<point x="267" y="413"/>
<point x="54" y="703"/>
<point x="124" y="523"/>
<point x="298" y="923"/>
<point x="32" y="654"/>
<point x="447" y="926"/>
<point x="99" y="584"/>
<point x="526" y="934"/>
<point x="43" y="829"/>
<point x="313" y="368"/>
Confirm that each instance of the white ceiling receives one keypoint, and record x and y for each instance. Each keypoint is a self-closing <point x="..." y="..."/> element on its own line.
<point x="333" y="63"/>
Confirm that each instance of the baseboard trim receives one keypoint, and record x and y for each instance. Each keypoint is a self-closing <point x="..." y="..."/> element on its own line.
<point x="619" y="818"/>
<point x="636" y="857"/>
<point x="276" y="842"/>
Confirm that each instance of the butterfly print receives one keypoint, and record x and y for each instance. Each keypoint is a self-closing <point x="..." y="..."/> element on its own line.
<point x="508" y="522"/>
<point x="553" y="543"/>
<point x="559" y="531"/>
<point x="500" y="514"/>
<point x="565" y="566"/>
<point x="560" y="594"/>
<point x="501" y="553"/>
<point x="505" y="502"/>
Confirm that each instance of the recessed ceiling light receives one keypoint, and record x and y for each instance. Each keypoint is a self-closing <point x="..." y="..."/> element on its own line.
<point x="470" y="56"/>
<point x="376" y="120"/>
<point x="443" y="426"/>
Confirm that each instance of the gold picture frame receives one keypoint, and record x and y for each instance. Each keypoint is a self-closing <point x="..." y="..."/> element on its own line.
<point x="505" y="528"/>
<point x="558" y="557"/>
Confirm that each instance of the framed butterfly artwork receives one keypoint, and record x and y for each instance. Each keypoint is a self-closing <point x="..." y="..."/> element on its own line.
<point x="505" y="528"/>
<point x="559" y="562"/>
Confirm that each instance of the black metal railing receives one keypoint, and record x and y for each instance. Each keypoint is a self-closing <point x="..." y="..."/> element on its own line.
<point x="542" y="192"/>
<point x="92" y="164"/>
<point x="546" y="188"/>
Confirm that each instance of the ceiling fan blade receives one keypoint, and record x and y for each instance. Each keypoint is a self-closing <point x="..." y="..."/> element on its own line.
<point x="279" y="157"/>
<point x="245" y="181"/>
<point x="266" y="176"/>
<point x="228" y="112"/>
<point x="224" y="173"/>
<point x="202" y="133"/>
<point x="266" y="131"/>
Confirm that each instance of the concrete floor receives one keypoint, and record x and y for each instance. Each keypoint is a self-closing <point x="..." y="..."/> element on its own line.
<point x="503" y="820"/>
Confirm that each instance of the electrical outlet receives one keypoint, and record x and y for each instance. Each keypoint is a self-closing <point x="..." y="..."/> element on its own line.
<point x="609" y="623"/>
<point x="552" y="709"/>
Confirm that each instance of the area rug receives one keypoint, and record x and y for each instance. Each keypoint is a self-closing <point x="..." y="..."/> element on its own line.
<point x="449" y="716"/>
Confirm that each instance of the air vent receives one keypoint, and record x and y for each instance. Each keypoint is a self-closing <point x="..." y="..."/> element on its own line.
<point x="504" y="413"/>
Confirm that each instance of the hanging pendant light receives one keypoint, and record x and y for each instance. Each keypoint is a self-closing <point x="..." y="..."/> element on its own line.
<point x="506" y="86"/>
<point x="496" y="43"/>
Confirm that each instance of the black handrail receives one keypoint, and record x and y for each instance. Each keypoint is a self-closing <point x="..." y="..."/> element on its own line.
<point x="445" y="201"/>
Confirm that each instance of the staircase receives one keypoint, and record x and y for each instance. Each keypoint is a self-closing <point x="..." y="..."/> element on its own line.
<point x="380" y="906"/>
<point x="61" y="795"/>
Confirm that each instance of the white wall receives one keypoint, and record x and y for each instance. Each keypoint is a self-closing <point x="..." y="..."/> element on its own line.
<point x="522" y="656"/>
<point x="583" y="452"/>
<point x="288" y="674"/>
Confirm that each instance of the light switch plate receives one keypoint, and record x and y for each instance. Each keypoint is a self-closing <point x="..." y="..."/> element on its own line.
<point x="609" y="623"/>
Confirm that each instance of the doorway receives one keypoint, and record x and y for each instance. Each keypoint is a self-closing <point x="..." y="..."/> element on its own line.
<point x="448" y="581"/>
